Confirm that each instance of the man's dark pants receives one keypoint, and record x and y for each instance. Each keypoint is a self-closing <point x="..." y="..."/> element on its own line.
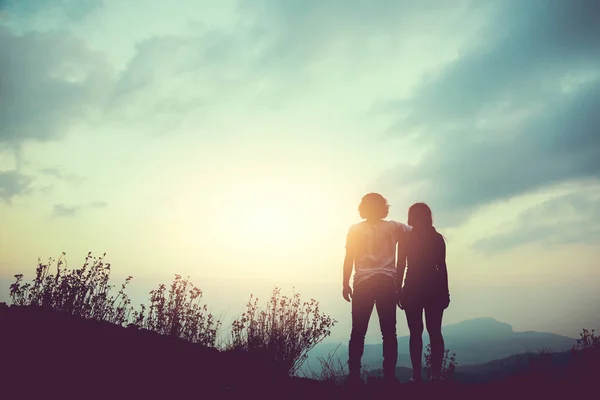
<point x="378" y="291"/>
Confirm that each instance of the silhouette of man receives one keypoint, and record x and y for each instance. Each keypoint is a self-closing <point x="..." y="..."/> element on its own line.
<point x="371" y="250"/>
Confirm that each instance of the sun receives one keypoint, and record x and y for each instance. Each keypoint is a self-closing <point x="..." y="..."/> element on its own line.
<point x="264" y="222"/>
<point x="268" y="222"/>
<point x="272" y="215"/>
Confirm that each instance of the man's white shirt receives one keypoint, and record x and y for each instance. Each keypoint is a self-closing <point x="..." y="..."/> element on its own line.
<point x="374" y="247"/>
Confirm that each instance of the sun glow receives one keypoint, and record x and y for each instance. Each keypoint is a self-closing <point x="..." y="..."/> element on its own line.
<point x="275" y="216"/>
<point x="275" y="223"/>
<point x="270" y="224"/>
<point x="275" y="219"/>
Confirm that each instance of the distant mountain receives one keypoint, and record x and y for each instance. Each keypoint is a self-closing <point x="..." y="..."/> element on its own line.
<point x="475" y="341"/>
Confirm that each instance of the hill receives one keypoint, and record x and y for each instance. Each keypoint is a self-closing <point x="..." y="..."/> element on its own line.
<point x="47" y="354"/>
<point x="47" y="348"/>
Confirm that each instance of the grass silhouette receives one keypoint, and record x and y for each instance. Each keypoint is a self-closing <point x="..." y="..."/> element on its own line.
<point x="448" y="363"/>
<point x="278" y="335"/>
<point x="283" y="331"/>
<point x="86" y="292"/>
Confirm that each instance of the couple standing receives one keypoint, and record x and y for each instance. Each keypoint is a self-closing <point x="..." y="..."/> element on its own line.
<point x="379" y="281"/>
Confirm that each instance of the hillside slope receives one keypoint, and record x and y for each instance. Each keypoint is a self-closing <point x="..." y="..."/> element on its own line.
<point x="47" y="354"/>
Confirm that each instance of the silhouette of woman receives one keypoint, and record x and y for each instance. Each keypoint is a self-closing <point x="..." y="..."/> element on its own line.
<point x="423" y="255"/>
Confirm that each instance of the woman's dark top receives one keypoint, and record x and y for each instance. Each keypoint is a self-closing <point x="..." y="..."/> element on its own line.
<point x="426" y="282"/>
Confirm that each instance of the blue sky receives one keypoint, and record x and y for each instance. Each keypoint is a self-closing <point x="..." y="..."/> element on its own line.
<point x="232" y="141"/>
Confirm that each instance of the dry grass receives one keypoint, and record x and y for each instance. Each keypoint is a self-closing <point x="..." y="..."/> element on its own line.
<point x="283" y="331"/>
<point x="448" y="363"/>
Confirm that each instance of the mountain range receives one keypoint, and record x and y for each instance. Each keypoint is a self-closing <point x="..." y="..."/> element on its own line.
<point x="475" y="342"/>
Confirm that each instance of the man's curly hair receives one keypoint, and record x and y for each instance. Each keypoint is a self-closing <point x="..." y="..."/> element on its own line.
<point x="373" y="206"/>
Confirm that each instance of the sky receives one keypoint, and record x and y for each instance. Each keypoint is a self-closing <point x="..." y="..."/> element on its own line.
<point x="231" y="142"/>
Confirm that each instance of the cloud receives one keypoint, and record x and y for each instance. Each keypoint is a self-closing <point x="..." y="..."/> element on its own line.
<point x="351" y="50"/>
<point x="171" y="77"/>
<point x="181" y="79"/>
<point x="61" y="174"/>
<point x="514" y="62"/>
<point x="567" y="219"/>
<point x="515" y="112"/>
<point x="276" y="50"/>
<point x="13" y="183"/>
<point x="49" y="81"/>
<point x="560" y="143"/>
<point x="62" y="210"/>
<point x="299" y="33"/>
<point x="67" y="10"/>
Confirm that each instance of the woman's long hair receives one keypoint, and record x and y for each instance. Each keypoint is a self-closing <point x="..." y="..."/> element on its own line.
<point x="419" y="217"/>
<point x="423" y="233"/>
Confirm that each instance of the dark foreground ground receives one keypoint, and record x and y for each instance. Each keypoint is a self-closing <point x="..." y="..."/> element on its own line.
<point x="50" y="355"/>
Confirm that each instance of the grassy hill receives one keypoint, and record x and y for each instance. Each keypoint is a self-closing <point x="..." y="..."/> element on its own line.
<point x="47" y="353"/>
